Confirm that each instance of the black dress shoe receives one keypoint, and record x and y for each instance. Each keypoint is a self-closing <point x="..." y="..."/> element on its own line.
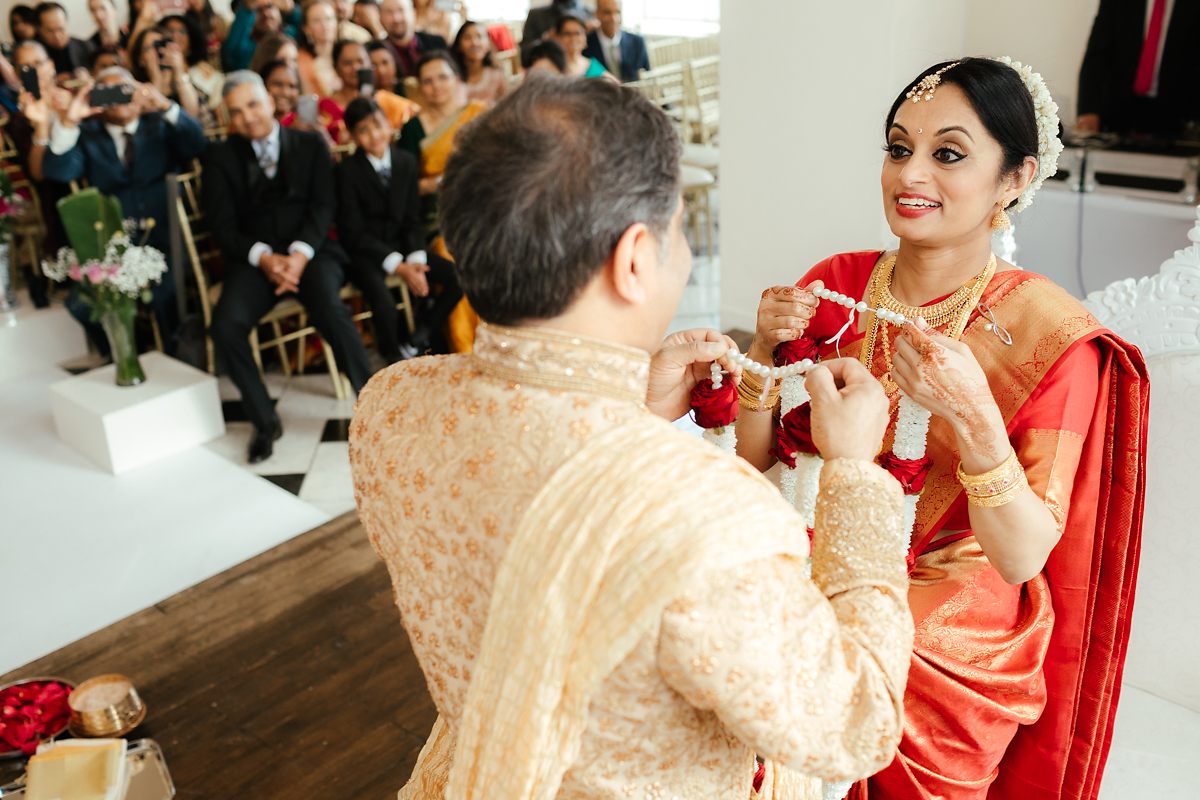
<point x="263" y="443"/>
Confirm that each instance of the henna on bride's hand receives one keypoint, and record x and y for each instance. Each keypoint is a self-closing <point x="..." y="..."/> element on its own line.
<point x="965" y="398"/>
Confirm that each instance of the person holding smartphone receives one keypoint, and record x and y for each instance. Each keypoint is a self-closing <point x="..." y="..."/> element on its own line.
<point x="303" y="112"/>
<point x="358" y="79"/>
<point x="124" y="137"/>
<point x="159" y="61"/>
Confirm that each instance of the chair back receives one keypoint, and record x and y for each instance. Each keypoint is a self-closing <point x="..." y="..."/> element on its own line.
<point x="1158" y="314"/>
<point x="90" y="220"/>
<point x="664" y="52"/>
<point x="704" y="97"/>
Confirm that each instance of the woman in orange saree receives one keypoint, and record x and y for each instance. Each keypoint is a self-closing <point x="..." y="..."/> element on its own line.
<point x="1022" y="610"/>
<point x="429" y="136"/>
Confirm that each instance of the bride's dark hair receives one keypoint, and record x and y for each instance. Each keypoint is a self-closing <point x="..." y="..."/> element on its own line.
<point x="999" y="97"/>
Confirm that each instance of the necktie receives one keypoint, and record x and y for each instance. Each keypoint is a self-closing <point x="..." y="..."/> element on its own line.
<point x="266" y="161"/>
<point x="385" y="174"/>
<point x="1149" y="60"/>
<point x="128" y="159"/>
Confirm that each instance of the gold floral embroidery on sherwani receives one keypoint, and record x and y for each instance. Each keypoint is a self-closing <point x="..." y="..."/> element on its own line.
<point x="593" y="616"/>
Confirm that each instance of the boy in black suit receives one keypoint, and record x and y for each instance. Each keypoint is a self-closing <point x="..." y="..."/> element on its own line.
<point x="379" y="224"/>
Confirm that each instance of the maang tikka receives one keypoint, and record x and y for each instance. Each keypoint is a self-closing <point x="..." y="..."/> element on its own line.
<point x="928" y="85"/>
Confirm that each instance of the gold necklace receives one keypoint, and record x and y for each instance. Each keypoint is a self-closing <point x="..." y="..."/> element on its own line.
<point x="952" y="314"/>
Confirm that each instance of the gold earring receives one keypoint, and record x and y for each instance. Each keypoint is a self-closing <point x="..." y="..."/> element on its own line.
<point x="1000" y="221"/>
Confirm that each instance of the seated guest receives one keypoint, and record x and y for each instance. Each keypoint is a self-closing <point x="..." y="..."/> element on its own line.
<point x="68" y="53"/>
<point x="270" y="201"/>
<point x="212" y="25"/>
<point x="541" y="21"/>
<point x="283" y="84"/>
<point x="366" y="16"/>
<point x="187" y="35"/>
<point x="384" y="63"/>
<point x="127" y="152"/>
<point x="622" y="53"/>
<point x="317" y="71"/>
<point x="109" y="31"/>
<point x="546" y="56"/>
<point x="379" y="223"/>
<point x="253" y="21"/>
<point x="158" y="61"/>
<point x="472" y="49"/>
<point x="347" y="30"/>
<point x="571" y="33"/>
<point x="23" y="23"/>
<point x="429" y="136"/>
<point x="406" y="42"/>
<point x="350" y="57"/>
<point x="275" y="47"/>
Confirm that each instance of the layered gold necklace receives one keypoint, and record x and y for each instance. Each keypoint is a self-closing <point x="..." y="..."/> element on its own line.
<point x="949" y="317"/>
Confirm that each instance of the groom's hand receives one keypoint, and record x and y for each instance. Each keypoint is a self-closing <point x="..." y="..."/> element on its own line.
<point x="849" y="410"/>
<point x="684" y="360"/>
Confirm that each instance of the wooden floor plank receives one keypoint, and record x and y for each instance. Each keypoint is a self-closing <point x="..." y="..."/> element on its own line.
<point x="287" y="676"/>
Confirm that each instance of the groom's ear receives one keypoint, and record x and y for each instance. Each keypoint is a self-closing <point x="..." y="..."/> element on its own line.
<point x="633" y="264"/>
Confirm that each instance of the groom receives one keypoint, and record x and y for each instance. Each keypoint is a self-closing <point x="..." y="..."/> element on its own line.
<point x="602" y="605"/>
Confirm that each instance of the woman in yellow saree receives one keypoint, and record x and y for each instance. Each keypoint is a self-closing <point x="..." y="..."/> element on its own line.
<point x="429" y="136"/>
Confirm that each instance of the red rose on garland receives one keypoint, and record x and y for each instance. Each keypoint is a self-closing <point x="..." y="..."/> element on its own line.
<point x="31" y="712"/>
<point x="910" y="472"/>
<point x="793" y="435"/>
<point x="797" y="350"/>
<point x="715" y="408"/>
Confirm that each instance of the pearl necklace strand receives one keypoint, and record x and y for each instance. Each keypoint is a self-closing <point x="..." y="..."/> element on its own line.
<point x="801" y="367"/>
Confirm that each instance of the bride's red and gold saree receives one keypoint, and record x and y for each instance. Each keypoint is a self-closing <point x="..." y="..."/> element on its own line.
<point x="1012" y="690"/>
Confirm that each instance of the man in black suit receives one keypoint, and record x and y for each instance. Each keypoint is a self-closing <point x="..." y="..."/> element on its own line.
<point x="126" y="151"/>
<point x="68" y="53"/>
<point x="1140" y="73"/>
<point x="622" y="53"/>
<point x="270" y="202"/>
<point x="379" y="222"/>
<point x="403" y="39"/>
<point x="542" y="21"/>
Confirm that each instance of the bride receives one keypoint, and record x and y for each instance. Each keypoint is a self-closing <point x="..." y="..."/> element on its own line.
<point x="1026" y="535"/>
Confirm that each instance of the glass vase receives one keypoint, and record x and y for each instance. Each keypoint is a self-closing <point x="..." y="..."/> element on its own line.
<point x="118" y="327"/>
<point x="8" y="298"/>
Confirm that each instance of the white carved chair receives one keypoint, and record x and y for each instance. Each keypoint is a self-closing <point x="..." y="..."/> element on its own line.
<point x="1161" y="315"/>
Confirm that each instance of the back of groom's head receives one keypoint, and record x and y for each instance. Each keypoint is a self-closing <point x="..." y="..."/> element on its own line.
<point x="541" y="188"/>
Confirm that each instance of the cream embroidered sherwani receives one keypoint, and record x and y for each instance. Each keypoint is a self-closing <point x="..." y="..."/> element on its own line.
<point x="606" y="607"/>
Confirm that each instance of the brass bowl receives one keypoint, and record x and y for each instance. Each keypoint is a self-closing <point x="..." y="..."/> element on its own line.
<point x="105" y="706"/>
<point x="37" y="679"/>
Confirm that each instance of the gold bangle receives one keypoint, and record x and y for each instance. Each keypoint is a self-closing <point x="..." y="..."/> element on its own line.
<point x="996" y="487"/>
<point x="750" y="391"/>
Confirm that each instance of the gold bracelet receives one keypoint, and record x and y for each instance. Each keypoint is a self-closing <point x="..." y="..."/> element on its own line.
<point x="750" y="391"/>
<point x="997" y="487"/>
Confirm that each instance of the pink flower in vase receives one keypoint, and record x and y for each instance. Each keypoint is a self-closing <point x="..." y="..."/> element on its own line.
<point x="95" y="274"/>
<point x="75" y="273"/>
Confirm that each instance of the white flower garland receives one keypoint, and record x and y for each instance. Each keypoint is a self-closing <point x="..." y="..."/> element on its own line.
<point x="912" y="433"/>
<point x="125" y="268"/>
<point x="1049" y="145"/>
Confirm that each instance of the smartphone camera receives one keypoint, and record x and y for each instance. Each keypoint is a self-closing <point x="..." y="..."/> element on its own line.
<point x="30" y="82"/>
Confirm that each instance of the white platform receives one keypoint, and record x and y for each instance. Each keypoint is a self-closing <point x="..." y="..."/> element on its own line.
<point x="125" y="427"/>
<point x="33" y="338"/>
<point x="83" y="548"/>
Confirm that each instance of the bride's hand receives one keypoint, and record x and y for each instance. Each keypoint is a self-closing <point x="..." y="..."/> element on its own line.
<point x="684" y="360"/>
<point x="943" y="376"/>
<point x="783" y="315"/>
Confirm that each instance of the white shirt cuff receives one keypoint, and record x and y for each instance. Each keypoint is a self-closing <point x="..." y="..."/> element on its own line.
<point x="62" y="139"/>
<point x="171" y="115"/>
<point x="258" y="251"/>
<point x="417" y="257"/>
<point x="393" y="261"/>
<point x="303" y="249"/>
